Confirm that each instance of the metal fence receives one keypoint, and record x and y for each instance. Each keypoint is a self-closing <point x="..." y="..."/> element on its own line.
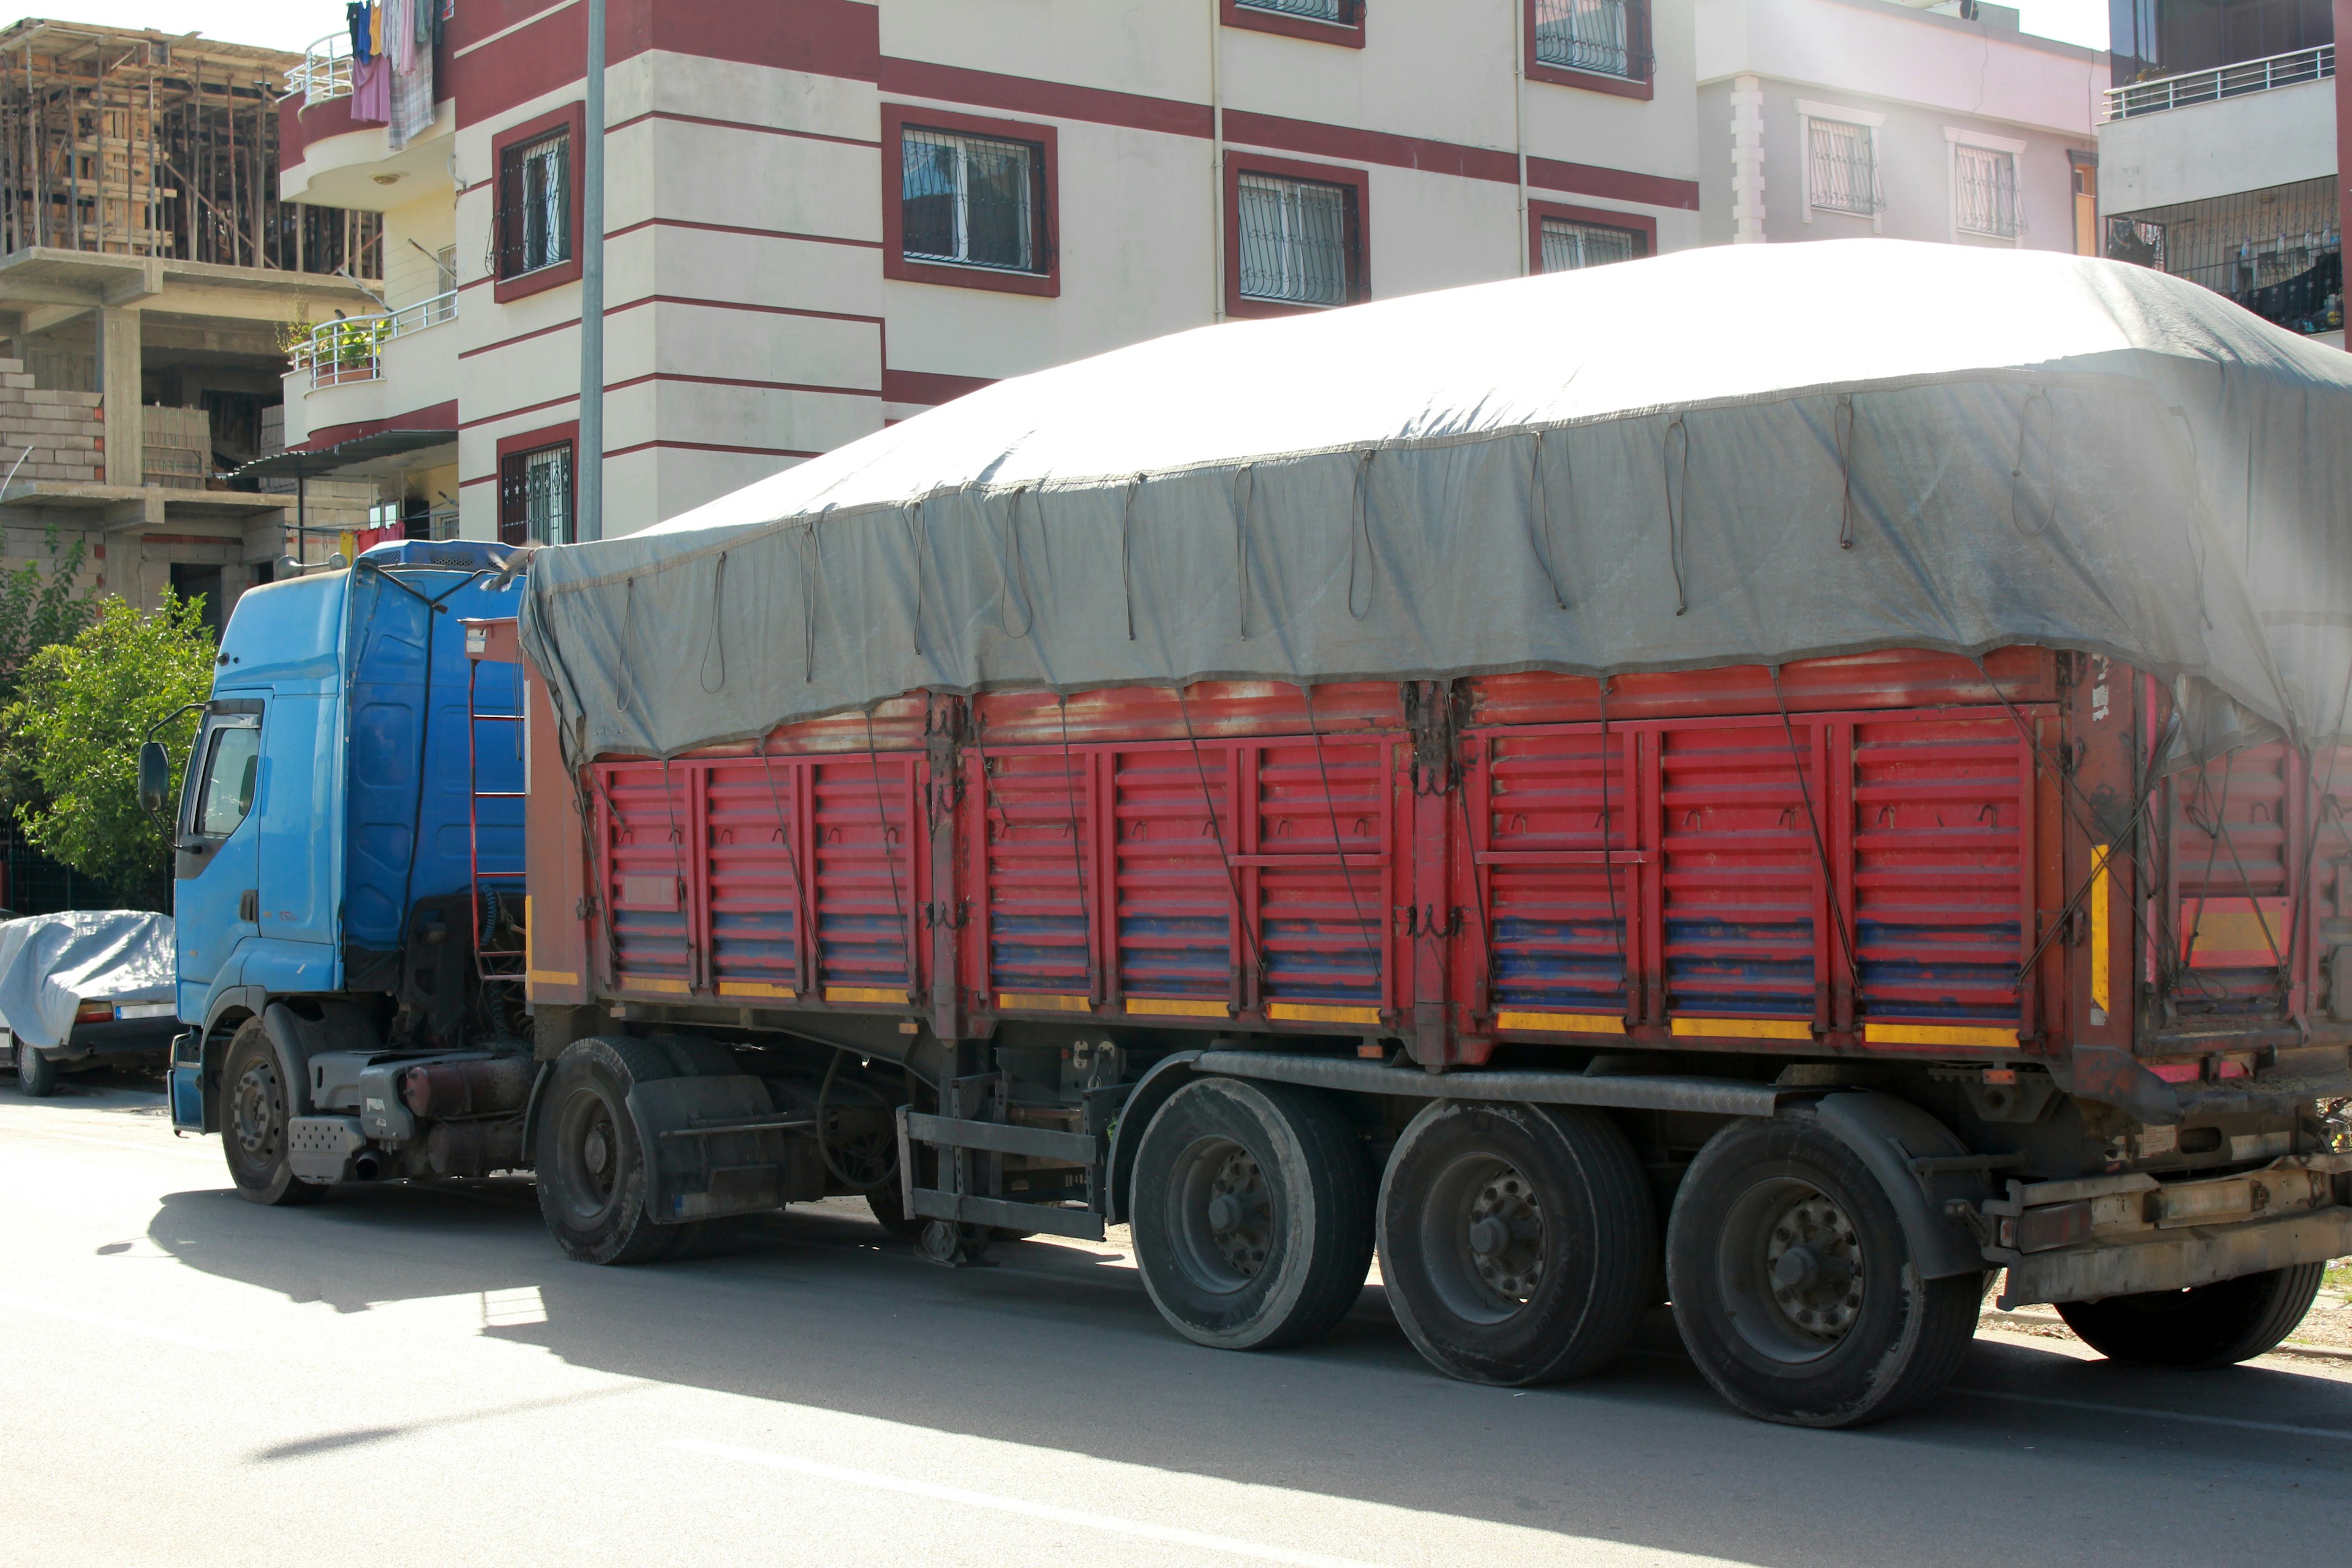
<point x="1297" y="241"/>
<point x="2221" y="81"/>
<point x="1569" y="247"/>
<point x="1340" y="11"/>
<point x="1843" y="165"/>
<point x="353" y="349"/>
<point x="325" y="71"/>
<point x="1984" y="193"/>
<point x="1610" y="38"/>
<point x="2277" y="251"/>
<point x="970" y="200"/>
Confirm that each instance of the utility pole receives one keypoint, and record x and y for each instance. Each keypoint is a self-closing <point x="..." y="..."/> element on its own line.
<point x="589" y="484"/>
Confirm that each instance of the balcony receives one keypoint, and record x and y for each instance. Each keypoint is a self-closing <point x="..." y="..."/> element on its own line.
<point x="340" y="351"/>
<point x="2238" y="81"/>
<point x="325" y="73"/>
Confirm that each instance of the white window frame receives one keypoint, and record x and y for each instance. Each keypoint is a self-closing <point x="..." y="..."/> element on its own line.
<point x="1808" y="110"/>
<point x="1959" y="136"/>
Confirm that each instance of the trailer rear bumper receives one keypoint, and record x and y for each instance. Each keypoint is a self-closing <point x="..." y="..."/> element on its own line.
<point x="2177" y="1259"/>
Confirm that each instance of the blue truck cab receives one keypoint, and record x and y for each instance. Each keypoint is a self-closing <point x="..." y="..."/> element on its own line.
<point x="355" y="776"/>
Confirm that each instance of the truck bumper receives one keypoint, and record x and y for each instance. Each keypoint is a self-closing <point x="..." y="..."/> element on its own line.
<point x="2178" y="1259"/>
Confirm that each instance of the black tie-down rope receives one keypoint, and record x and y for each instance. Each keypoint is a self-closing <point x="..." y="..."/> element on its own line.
<point x="890" y="861"/>
<point x="1225" y="856"/>
<point x="1676" y="515"/>
<point x="1821" y="849"/>
<point x="1245" y="494"/>
<point x="803" y="921"/>
<point x="1126" y="552"/>
<point x="1841" y="433"/>
<point x="1359" y="528"/>
<point x="1546" y="553"/>
<point x="717" y="640"/>
<point x="1331" y="810"/>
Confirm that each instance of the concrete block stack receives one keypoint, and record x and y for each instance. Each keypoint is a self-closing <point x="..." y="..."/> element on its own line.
<point x="65" y="431"/>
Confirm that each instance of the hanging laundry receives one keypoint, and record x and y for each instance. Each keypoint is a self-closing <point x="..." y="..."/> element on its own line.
<point x="400" y="35"/>
<point x="372" y="92"/>
<point x="376" y="29"/>
<point x="355" y="16"/>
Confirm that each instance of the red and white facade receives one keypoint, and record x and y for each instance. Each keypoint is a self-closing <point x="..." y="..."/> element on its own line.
<point x="1092" y="173"/>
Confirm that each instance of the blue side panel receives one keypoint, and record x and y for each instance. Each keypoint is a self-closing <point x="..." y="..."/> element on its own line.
<point x="409" y="782"/>
<point x="296" y="868"/>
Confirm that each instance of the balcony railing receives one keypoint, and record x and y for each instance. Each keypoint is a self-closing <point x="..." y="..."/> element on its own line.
<point x="353" y="349"/>
<point x="325" y="71"/>
<point x="1608" y="38"/>
<point x="2223" y="81"/>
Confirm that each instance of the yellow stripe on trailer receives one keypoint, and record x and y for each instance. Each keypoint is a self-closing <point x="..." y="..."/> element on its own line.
<point x="865" y="993"/>
<point x="1562" y="1023"/>
<point x="1963" y="1036"/>
<point x="757" y="988"/>
<point x="1746" y="1028"/>
<point x="2103" y="957"/>
<point x="1033" y="1002"/>
<point x="1174" y="1007"/>
<point x="1315" y="1013"/>
<point x="673" y="987"/>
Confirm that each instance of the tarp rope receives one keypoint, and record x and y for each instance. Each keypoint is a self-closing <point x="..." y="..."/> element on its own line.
<point x="1331" y="809"/>
<point x="803" y="921"/>
<point x="890" y="860"/>
<point x="1546" y="553"/>
<point x="1241" y="912"/>
<point x="1078" y="852"/>
<point x="1821" y="849"/>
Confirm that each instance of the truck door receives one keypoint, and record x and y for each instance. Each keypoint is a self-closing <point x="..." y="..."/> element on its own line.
<point x="215" y="893"/>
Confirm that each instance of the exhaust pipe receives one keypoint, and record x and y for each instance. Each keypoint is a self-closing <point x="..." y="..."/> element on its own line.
<point x="366" y="1166"/>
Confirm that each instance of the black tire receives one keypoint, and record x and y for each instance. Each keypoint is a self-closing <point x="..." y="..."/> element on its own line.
<point x="1794" y="1287"/>
<point x="253" y="1110"/>
<point x="889" y="1208"/>
<point x="1561" y="1206"/>
<point x="1252" y="1213"/>
<point x="590" y="1172"/>
<point x="2210" y="1326"/>
<point x="37" y="1076"/>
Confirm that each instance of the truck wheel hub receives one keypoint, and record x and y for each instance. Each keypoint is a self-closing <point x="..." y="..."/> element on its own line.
<point x="1506" y="1229"/>
<point x="1814" y="1263"/>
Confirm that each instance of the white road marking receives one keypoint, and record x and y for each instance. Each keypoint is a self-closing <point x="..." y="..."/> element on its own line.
<point x="119" y="1325"/>
<point x="1109" y="1523"/>
<point x="2145" y="1414"/>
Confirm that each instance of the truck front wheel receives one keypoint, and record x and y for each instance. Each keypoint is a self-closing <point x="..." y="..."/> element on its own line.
<point x="2210" y="1326"/>
<point x="591" y="1172"/>
<point x="1517" y="1242"/>
<point x="1252" y="1213"/>
<point x="1795" y="1286"/>
<point x="254" y="1123"/>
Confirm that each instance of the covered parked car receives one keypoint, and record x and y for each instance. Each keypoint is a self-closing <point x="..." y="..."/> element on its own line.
<point x="85" y="988"/>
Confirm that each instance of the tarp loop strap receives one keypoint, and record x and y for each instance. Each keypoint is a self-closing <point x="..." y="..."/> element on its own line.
<point x="1841" y="432"/>
<point x="803" y="921"/>
<point x="913" y="513"/>
<point x="2017" y="474"/>
<point x="1549" y="547"/>
<point x="625" y="696"/>
<point x="1821" y="849"/>
<point x="809" y="546"/>
<point x="889" y="860"/>
<point x="1331" y="809"/>
<point x="1360" y="526"/>
<point x="1077" y="853"/>
<point x="1217" y="828"/>
<point x="718" y="643"/>
<point x="1676" y="514"/>
<point x="1244" y="492"/>
<point x="1608" y="866"/>
<point x="1008" y="565"/>
<point x="1126" y="552"/>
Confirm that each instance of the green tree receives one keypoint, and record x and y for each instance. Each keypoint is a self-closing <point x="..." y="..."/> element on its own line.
<point x="82" y="707"/>
<point x="38" y="612"/>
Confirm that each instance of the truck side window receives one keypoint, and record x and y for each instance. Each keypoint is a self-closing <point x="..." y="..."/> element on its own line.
<point x="229" y="776"/>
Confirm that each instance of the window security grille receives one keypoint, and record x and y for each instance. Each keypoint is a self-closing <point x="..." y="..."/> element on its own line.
<point x="1298" y="241"/>
<point x="971" y="201"/>
<point x="1610" y="37"/>
<point x="1984" y="185"/>
<point x="1340" y="11"/>
<point x="1845" y="168"/>
<point x="534" y="227"/>
<point x="1568" y="247"/>
<point x="535" y="496"/>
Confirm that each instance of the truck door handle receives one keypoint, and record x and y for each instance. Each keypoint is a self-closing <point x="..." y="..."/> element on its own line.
<point x="248" y="905"/>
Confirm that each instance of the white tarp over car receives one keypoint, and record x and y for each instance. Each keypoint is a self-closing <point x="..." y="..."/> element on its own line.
<point x="49" y="964"/>
<point x="1746" y="454"/>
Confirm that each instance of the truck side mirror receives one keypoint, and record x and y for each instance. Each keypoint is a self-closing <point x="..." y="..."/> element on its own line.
<point x="154" y="777"/>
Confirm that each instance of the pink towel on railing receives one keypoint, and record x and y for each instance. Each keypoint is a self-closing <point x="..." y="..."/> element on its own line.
<point x="372" y="92"/>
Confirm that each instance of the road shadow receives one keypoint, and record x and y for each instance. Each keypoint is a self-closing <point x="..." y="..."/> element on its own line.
<point x="1061" y="1349"/>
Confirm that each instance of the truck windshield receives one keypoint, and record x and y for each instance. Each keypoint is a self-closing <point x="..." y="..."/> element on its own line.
<point x="228" y="781"/>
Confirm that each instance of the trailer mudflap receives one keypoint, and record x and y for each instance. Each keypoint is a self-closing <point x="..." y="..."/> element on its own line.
<point x="2178" y="1259"/>
<point x="1079" y="1149"/>
<point x="716" y="1146"/>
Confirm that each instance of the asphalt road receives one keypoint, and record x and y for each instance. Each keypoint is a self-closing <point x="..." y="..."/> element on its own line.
<point x="416" y="1376"/>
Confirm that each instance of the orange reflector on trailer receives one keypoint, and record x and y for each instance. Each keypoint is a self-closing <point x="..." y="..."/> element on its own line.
<point x="1312" y="1013"/>
<point x="757" y="988"/>
<point x="1562" y="1023"/>
<point x="1969" y="1037"/>
<point x="863" y="993"/>
<point x="1174" y="1007"/>
<point x="1033" y="1002"/>
<point x="1746" y="1028"/>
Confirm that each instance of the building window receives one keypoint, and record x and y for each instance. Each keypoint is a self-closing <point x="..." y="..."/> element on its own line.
<point x="1842" y="164"/>
<point x="1606" y="37"/>
<point x="1299" y="244"/>
<point x="535" y="496"/>
<point x="534" y="228"/>
<point x="970" y="200"/>
<point x="1569" y="245"/>
<point x="1335" y="11"/>
<point x="1984" y="192"/>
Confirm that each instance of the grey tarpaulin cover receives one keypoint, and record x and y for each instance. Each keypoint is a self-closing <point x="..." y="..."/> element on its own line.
<point x="49" y="962"/>
<point x="1746" y="454"/>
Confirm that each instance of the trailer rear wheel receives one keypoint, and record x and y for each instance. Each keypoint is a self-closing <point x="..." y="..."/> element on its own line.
<point x="592" y="1174"/>
<point x="1517" y="1242"/>
<point x="2210" y="1326"/>
<point x="1252" y="1214"/>
<point x="254" y="1123"/>
<point x="1795" y="1286"/>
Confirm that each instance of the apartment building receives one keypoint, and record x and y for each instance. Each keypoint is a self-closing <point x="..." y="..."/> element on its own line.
<point x="822" y="215"/>
<point x="1839" y="119"/>
<point x="2222" y="154"/>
